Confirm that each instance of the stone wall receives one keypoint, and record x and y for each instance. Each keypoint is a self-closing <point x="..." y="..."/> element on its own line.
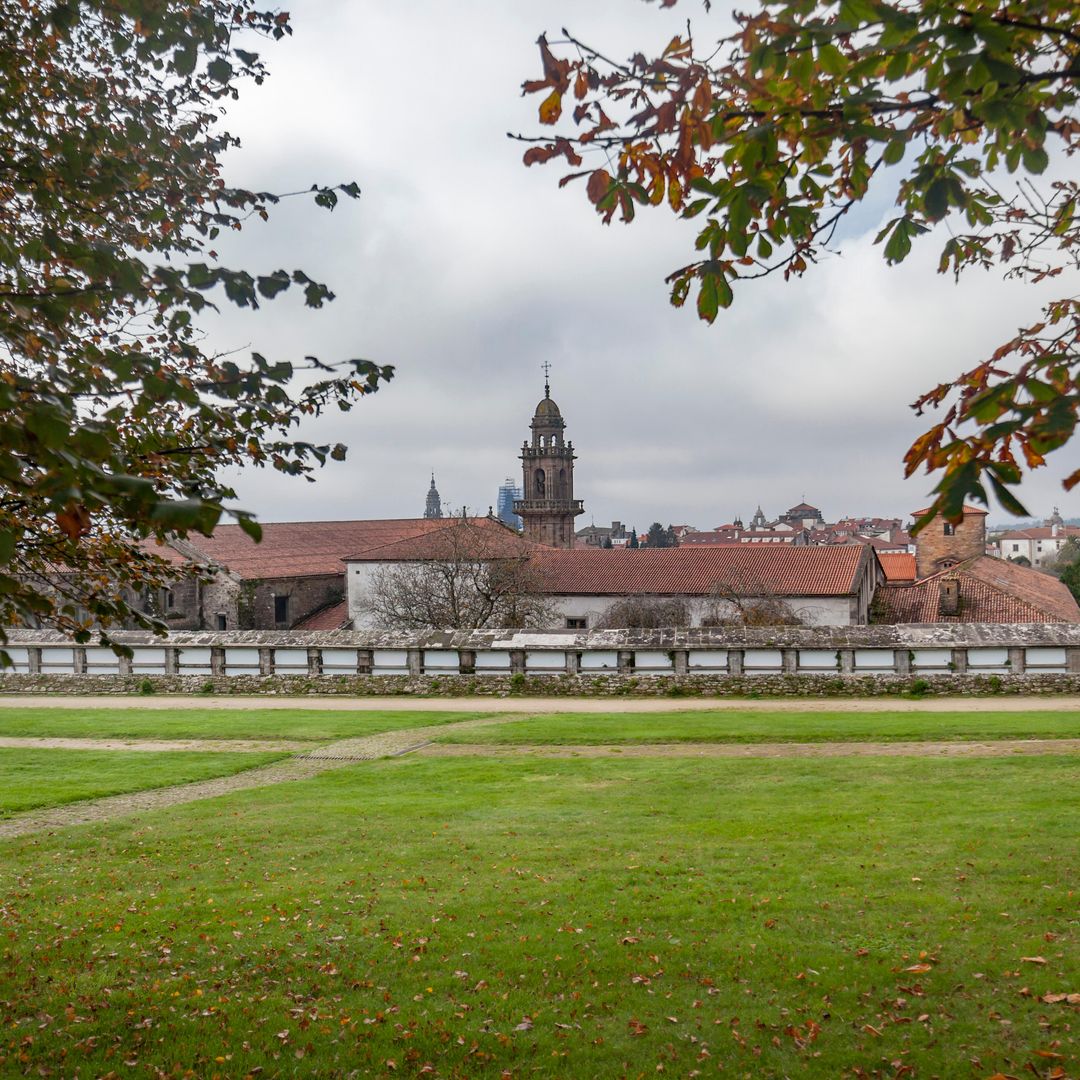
<point x="1033" y="658"/>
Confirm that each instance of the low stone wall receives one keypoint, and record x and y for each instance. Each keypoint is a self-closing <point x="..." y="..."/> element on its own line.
<point x="613" y="685"/>
<point x="845" y="661"/>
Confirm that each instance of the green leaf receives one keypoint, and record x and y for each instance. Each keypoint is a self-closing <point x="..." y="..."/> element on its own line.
<point x="220" y="69"/>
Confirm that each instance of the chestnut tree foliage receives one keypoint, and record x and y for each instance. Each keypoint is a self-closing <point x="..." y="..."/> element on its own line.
<point x="768" y="137"/>
<point x="115" y="417"/>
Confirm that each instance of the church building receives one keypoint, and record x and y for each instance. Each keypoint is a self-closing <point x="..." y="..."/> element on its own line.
<point x="548" y="507"/>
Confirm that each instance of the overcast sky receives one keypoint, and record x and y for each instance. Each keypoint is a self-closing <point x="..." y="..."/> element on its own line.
<point x="467" y="271"/>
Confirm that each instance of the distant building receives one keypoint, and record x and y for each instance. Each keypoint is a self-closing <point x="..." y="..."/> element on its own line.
<point x="601" y="536"/>
<point x="508" y="493"/>
<point x="1039" y="545"/>
<point x="547" y="506"/>
<point x="433" y="506"/>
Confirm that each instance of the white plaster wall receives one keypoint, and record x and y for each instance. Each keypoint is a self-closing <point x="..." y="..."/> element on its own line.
<point x="813" y="610"/>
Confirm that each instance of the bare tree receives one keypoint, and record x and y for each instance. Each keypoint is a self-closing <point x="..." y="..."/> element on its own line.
<point x="742" y="601"/>
<point x="645" y="613"/>
<point x="469" y="577"/>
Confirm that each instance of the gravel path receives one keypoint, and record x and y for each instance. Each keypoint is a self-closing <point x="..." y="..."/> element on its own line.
<point x="533" y="705"/>
<point x="997" y="748"/>
<point x="332" y="756"/>
<point x="238" y="746"/>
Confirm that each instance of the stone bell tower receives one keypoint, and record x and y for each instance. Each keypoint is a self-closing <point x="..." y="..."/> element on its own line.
<point x="548" y="509"/>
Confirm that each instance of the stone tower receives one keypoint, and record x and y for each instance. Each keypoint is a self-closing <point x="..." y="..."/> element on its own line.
<point x="433" y="506"/>
<point x="941" y="545"/>
<point x="548" y="507"/>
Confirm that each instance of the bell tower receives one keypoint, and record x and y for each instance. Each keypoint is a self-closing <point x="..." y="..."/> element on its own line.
<point x="548" y="508"/>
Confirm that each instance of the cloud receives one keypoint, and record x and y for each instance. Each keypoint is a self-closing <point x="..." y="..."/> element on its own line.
<point x="466" y="271"/>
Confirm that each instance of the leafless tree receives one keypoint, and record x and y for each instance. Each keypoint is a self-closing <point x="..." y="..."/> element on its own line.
<point x="645" y="613"/>
<point x="470" y="577"/>
<point x="742" y="601"/>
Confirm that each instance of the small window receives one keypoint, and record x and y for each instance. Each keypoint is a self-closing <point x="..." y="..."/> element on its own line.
<point x="577" y="624"/>
<point x="222" y="622"/>
<point x="170" y="600"/>
<point x="950" y="529"/>
<point x="281" y="609"/>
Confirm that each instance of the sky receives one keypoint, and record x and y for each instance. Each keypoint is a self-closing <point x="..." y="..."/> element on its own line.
<point x="467" y="271"/>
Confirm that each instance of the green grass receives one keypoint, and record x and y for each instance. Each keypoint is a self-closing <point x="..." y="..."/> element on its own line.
<point x="30" y="779"/>
<point x="311" y="724"/>
<point x="571" y="918"/>
<point x="583" y="729"/>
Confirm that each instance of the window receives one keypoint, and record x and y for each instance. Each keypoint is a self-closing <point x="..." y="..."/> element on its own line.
<point x="577" y="624"/>
<point x="170" y="600"/>
<point x="281" y="609"/>
<point x="222" y="622"/>
<point x="950" y="529"/>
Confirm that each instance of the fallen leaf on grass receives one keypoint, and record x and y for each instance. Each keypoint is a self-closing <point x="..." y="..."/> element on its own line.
<point x="920" y="968"/>
<point x="1032" y="960"/>
<point x="1055" y="999"/>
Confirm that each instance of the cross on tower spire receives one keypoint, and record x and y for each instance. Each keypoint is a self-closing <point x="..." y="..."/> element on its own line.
<point x="547" y="385"/>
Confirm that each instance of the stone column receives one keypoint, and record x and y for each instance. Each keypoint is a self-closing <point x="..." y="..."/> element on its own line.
<point x="1017" y="660"/>
<point x="517" y="661"/>
<point x="1072" y="660"/>
<point x="902" y="661"/>
<point x="847" y="661"/>
<point x="33" y="659"/>
<point x="626" y="662"/>
<point x="172" y="661"/>
<point x="314" y="660"/>
<point x="266" y="660"/>
<point x="959" y="661"/>
<point x="573" y="662"/>
<point x="681" y="661"/>
<point x="789" y="661"/>
<point x="735" y="661"/>
<point x="217" y="660"/>
<point x="79" y="661"/>
<point x="415" y="661"/>
<point x="466" y="661"/>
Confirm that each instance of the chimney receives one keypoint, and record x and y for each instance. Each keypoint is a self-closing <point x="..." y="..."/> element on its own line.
<point x="949" y="602"/>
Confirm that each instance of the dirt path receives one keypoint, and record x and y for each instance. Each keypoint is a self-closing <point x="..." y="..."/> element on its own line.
<point x="997" y="748"/>
<point x="238" y="746"/>
<point x="533" y="705"/>
<point x="333" y="756"/>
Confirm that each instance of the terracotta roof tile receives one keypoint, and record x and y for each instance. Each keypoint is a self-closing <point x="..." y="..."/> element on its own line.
<point x="304" y="548"/>
<point x="990" y="590"/>
<point x="331" y="617"/>
<point x="897" y="566"/>
<point x="779" y="569"/>
<point x="487" y="537"/>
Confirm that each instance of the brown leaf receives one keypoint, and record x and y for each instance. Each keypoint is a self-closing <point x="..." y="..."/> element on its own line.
<point x="920" y="967"/>
<point x="551" y="108"/>
<point x="1032" y="960"/>
<point x="599" y="184"/>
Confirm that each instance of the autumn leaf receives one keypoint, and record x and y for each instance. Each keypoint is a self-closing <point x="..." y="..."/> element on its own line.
<point x="551" y="108"/>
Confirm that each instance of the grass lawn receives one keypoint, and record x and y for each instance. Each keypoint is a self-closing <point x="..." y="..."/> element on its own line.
<point x="313" y="724"/>
<point x="30" y="779"/>
<point x="571" y="918"/>
<point x="743" y="727"/>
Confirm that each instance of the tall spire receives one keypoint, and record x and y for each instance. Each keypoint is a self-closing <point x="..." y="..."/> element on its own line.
<point x="433" y="506"/>
<point x="547" y="382"/>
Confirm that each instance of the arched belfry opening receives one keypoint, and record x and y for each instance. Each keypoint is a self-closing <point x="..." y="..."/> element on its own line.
<point x="547" y="460"/>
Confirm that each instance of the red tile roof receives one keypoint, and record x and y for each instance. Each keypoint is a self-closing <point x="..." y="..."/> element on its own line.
<point x="482" y="538"/>
<point x="1041" y="532"/>
<point x="990" y="590"/>
<point x="750" y="569"/>
<point x="897" y="566"/>
<point x="305" y="548"/>
<point x="331" y="617"/>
